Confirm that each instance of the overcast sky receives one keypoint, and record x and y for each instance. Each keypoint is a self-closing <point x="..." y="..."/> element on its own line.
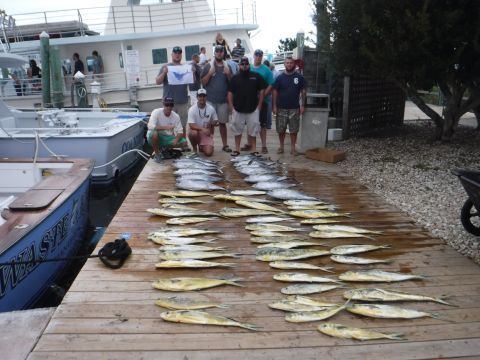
<point x="277" y="19"/>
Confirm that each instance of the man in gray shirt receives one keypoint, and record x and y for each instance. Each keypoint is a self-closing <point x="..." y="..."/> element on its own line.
<point x="215" y="77"/>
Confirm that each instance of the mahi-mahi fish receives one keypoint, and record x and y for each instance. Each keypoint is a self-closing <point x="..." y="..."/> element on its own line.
<point x="273" y="254"/>
<point x="272" y="227"/>
<point x="178" y="240"/>
<point x="357" y="260"/>
<point x="183" y="303"/>
<point x="197" y="255"/>
<point x="289" y="194"/>
<point x="175" y="212"/>
<point x="302" y="277"/>
<point x="377" y="276"/>
<point x="347" y="332"/>
<point x="375" y="294"/>
<point x="237" y="212"/>
<point x="291" y="306"/>
<point x="190" y="263"/>
<point x="388" y="311"/>
<point x="188" y="220"/>
<point x="315" y="214"/>
<point x="189" y="283"/>
<point x="179" y="232"/>
<point x="230" y="197"/>
<point x="290" y="244"/>
<point x="174" y="200"/>
<point x="307" y="316"/>
<point x="345" y="228"/>
<point x="183" y="193"/>
<point x="306" y="289"/>
<point x="258" y="205"/>
<point x="203" y="318"/>
<point x="356" y="249"/>
<point x="336" y="235"/>
<point x="190" y="247"/>
<point x="267" y="219"/>
<point x="272" y="239"/>
<point x="319" y="221"/>
<point x="290" y="265"/>
<point x="310" y="301"/>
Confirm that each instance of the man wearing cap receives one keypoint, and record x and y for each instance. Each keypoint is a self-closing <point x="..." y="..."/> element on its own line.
<point x="179" y="93"/>
<point x="245" y="97"/>
<point x="202" y="119"/>
<point x="165" y="129"/>
<point x="238" y="50"/>
<point x="215" y="78"/>
<point x="265" y="119"/>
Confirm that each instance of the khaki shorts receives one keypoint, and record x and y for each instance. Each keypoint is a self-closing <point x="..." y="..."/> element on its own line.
<point x="182" y="111"/>
<point x="290" y="117"/>
<point x="222" y="112"/>
<point x="250" y="119"/>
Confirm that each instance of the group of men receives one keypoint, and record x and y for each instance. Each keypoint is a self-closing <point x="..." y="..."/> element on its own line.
<point x="245" y="95"/>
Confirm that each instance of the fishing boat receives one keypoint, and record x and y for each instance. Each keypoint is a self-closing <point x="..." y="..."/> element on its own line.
<point x="134" y="40"/>
<point x="44" y="213"/>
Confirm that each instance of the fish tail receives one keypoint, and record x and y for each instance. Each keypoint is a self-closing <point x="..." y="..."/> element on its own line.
<point x="234" y="282"/>
<point x="441" y="300"/>
<point x="396" y="336"/>
<point x="228" y="265"/>
<point x="437" y="316"/>
<point x="223" y="306"/>
<point x="327" y="269"/>
<point x="249" y="326"/>
<point x="369" y="237"/>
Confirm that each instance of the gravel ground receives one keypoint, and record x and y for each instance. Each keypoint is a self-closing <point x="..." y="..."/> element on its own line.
<point x="413" y="173"/>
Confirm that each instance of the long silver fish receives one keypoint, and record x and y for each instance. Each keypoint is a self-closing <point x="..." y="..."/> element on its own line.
<point x="274" y="239"/>
<point x="178" y="240"/>
<point x="179" y="232"/>
<point x="270" y="185"/>
<point x="183" y="193"/>
<point x="347" y="332"/>
<point x="356" y="249"/>
<point x="237" y="212"/>
<point x="290" y="244"/>
<point x="345" y="228"/>
<point x="303" y="202"/>
<point x="263" y="177"/>
<point x="307" y="316"/>
<point x="357" y="260"/>
<point x="190" y="247"/>
<point x="248" y="192"/>
<point x="175" y="212"/>
<point x="273" y="254"/>
<point x="302" y="277"/>
<point x="315" y="214"/>
<point x="200" y="177"/>
<point x="306" y="289"/>
<point x="258" y="205"/>
<point x="197" y="255"/>
<point x="272" y="227"/>
<point x="292" y="306"/>
<point x="388" y="312"/>
<point x="377" y="276"/>
<point x="335" y="235"/>
<point x="194" y="171"/>
<point x="188" y="220"/>
<point x="190" y="263"/>
<point x="290" y="265"/>
<point x="319" y="221"/>
<point x="289" y="194"/>
<point x="197" y="185"/>
<point x="203" y="318"/>
<point x="375" y="294"/>
<point x="174" y="200"/>
<point x="267" y="219"/>
<point x="182" y="303"/>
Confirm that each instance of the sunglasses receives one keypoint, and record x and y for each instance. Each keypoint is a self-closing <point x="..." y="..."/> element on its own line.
<point x="244" y="64"/>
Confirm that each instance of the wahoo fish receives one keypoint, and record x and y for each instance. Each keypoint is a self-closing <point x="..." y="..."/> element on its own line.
<point x="292" y="306"/>
<point x="181" y="255"/>
<point x="271" y="227"/>
<point x="268" y="233"/>
<point x="190" y="247"/>
<point x="306" y="289"/>
<point x="377" y="276"/>
<point x="313" y="207"/>
<point x="229" y="197"/>
<point x="374" y="294"/>
<point x="357" y="260"/>
<point x="302" y="277"/>
<point x="303" y="202"/>
<point x="319" y="221"/>
<point x="258" y="206"/>
<point x="247" y="192"/>
<point x="272" y="239"/>
<point x="335" y="235"/>
<point x="347" y="332"/>
<point x="188" y="220"/>
<point x="270" y="185"/>
<point x="183" y="193"/>
<point x="178" y="240"/>
<point x="189" y="283"/>
<point x="345" y="228"/>
<point x="197" y="185"/>
<point x="287" y="265"/>
<point x="289" y="194"/>
<point x="314" y="214"/>
<point x="179" y="232"/>
<point x="189" y="171"/>
<point x="173" y="212"/>
<point x="388" y="311"/>
<point x="309" y="301"/>
<point x="267" y="219"/>
<point x="289" y="244"/>
<point x="307" y="316"/>
<point x="182" y="303"/>
<point x="190" y="263"/>
<point x="174" y="200"/>
<point x="254" y="170"/>
<point x="263" y="178"/>
<point x="203" y="318"/>
<point x="237" y="212"/>
<point x="200" y="177"/>
<point x="355" y="249"/>
<point x="273" y="254"/>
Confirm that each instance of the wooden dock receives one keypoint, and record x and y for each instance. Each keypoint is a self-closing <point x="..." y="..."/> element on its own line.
<point x="110" y="314"/>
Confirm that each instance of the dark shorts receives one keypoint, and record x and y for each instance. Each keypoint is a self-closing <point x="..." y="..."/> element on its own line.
<point x="290" y="118"/>
<point x="265" y="120"/>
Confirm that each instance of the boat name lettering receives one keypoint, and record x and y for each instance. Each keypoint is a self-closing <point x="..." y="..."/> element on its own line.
<point x="132" y="143"/>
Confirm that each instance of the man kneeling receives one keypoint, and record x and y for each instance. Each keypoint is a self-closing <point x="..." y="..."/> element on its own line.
<point x="165" y="129"/>
<point x="202" y="119"/>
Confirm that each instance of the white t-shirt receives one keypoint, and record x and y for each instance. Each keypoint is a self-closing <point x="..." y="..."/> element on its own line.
<point x="202" y="117"/>
<point x="158" y="118"/>
<point x="203" y="59"/>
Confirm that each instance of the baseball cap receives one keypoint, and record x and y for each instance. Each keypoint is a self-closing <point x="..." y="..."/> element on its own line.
<point x="218" y="48"/>
<point x="168" y="101"/>
<point x="258" y="52"/>
<point x="202" y="92"/>
<point x="244" y="61"/>
<point x="177" y="49"/>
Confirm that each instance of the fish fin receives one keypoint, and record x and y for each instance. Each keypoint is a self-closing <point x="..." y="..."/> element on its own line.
<point x="369" y="237"/>
<point x="396" y="336"/>
<point x="326" y="269"/>
<point x="234" y="282"/>
<point x="250" y="326"/>
<point x="441" y="300"/>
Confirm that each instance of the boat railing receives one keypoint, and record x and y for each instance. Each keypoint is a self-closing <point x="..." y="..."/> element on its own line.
<point x="164" y="16"/>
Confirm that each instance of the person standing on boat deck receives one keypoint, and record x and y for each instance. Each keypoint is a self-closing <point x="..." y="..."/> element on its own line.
<point x="245" y="98"/>
<point x="203" y="56"/>
<point x="98" y="68"/>
<point x="238" y="50"/>
<point x="289" y="96"/>
<point x="220" y="41"/>
<point x="34" y="73"/>
<point x="215" y="78"/>
<point x="233" y="65"/>
<point x="179" y="93"/>
<point x="197" y="70"/>
<point x="202" y="120"/>
<point x="265" y="121"/>
<point x="165" y="129"/>
<point x="77" y="64"/>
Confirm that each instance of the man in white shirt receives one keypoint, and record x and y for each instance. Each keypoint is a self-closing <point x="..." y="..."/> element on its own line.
<point x="165" y="129"/>
<point x="202" y="118"/>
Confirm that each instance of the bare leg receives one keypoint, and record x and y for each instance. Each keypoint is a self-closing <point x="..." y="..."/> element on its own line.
<point x="155" y="143"/>
<point x="281" y="139"/>
<point x="293" y="141"/>
<point x="193" y="136"/>
<point x="263" y="136"/>
<point x="252" y="141"/>
<point x="207" y="150"/>
<point x="238" y="140"/>
<point x="223" y="133"/>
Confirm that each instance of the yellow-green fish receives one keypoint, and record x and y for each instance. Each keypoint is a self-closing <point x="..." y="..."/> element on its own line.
<point x="190" y="247"/>
<point x="248" y="192"/>
<point x="292" y="306"/>
<point x="377" y="276"/>
<point x="268" y="233"/>
<point x="227" y="197"/>
<point x="182" y="303"/>
<point x="303" y="202"/>
<point x="267" y="219"/>
<point x="357" y="260"/>
<point x="335" y="235"/>
<point x="181" y="255"/>
<point x="203" y="318"/>
<point x="258" y="206"/>
<point x="271" y="227"/>
<point x="302" y="277"/>
<point x="173" y="200"/>
<point x="290" y="244"/>
<point x="179" y="232"/>
<point x="272" y="239"/>
<point x="313" y="207"/>
<point x="190" y="263"/>
<point x="274" y="254"/>
<point x="309" y="301"/>
<point x="286" y="265"/>
<point x="306" y="289"/>
<point x="319" y="221"/>
<point x="178" y="240"/>
<point x="375" y="294"/>
<point x="189" y="283"/>
<point x="175" y="212"/>
<point x="183" y="193"/>
<point x="307" y="316"/>
<point x="315" y="214"/>
<point x="356" y="249"/>
<point x="188" y="220"/>
<point x="240" y="212"/>
<point x="345" y="228"/>
<point x="347" y="332"/>
<point x="388" y="311"/>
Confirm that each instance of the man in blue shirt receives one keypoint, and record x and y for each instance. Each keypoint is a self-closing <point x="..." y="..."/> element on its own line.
<point x="289" y="96"/>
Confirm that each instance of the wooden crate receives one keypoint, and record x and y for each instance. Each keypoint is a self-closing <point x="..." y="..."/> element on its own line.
<point x="326" y="155"/>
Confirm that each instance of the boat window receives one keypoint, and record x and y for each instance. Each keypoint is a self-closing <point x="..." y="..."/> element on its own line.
<point x="120" y="59"/>
<point x="159" y="56"/>
<point x="190" y="50"/>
